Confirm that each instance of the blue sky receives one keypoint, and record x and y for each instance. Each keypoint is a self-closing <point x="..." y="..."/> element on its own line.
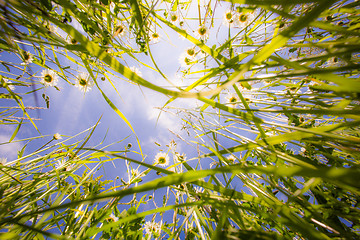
<point x="71" y="111"/>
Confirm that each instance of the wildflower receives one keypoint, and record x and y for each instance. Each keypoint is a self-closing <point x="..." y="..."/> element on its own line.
<point x="62" y="165"/>
<point x="136" y="71"/>
<point x="72" y="41"/>
<point x="161" y="159"/>
<point x="180" y="157"/>
<point x="8" y="83"/>
<point x="57" y="136"/>
<point x="152" y="227"/>
<point x="247" y="96"/>
<point x="3" y="161"/>
<point x="174" y="17"/>
<point x="49" y="78"/>
<point x="232" y="98"/>
<point x="120" y="30"/>
<point x="213" y="164"/>
<point x="84" y="83"/>
<point x="202" y="32"/>
<point x="243" y="19"/>
<point x="198" y="189"/>
<point x="231" y="158"/>
<point x="302" y="151"/>
<point x="154" y="37"/>
<point x="229" y="18"/>
<point x="113" y="218"/>
<point x="136" y="174"/>
<point x="27" y="58"/>
<point x="185" y="59"/>
<point x="52" y="28"/>
<point x="190" y="51"/>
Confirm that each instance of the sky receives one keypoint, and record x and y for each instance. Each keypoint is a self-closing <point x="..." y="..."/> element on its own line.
<point x="71" y="111"/>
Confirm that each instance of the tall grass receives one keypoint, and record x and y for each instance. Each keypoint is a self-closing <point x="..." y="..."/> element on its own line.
<point x="276" y="134"/>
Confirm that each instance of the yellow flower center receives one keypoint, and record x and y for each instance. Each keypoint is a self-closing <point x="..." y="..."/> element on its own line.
<point x="190" y="51"/>
<point x="155" y="35"/>
<point x="233" y="99"/>
<point x="243" y="18"/>
<point x="120" y="29"/>
<point x="162" y="160"/>
<point x="174" y="18"/>
<point x="82" y="82"/>
<point x="202" y="31"/>
<point x="187" y="60"/>
<point x="48" y="78"/>
<point x="228" y="16"/>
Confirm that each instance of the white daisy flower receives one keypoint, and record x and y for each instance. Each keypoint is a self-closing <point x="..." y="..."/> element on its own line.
<point x="84" y="83"/>
<point x="231" y="158"/>
<point x="113" y="218"/>
<point x="136" y="71"/>
<point x="136" y="174"/>
<point x="154" y="37"/>
<point x="120" y="30"/>
<point x="232" y="98"/>
<point x="152" y="227"/>
<point x="3" y="161"/>
<point x="229" y="18"/>
<point x="190" y="51"/>
<point x="72" y="41"/>
<point x="8" y="83"/>
<point x="202" y="32"/>
<point x="174" y="17"/>
<point x="186" y="60"/>
<point x="62" y="165"/>
<point x="162" y="159"/>
<point x="27" y="58"/>
<point x="57" y="136"/>
<point x="49" y="78"/>
<point x="243" y="19"/>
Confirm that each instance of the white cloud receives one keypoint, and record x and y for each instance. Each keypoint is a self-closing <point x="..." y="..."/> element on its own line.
<point x="9" y="150"/>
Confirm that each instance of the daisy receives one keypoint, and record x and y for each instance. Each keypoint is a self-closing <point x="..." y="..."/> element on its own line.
<point x="28" y="58"/>
<point x="229" y="18"/>
<point x="174" y="17"/>
<point x="57" y="136"/>
<point x="61" y="165"/>
<point x="3" y="161"/>
<point x="232" y="98"/>
<point x="185" y="60"/>
<point x="113" y="218"/>
<point x="162" y="159"/>
<point x="198" y="189"/>
<point x="152" y="227"/>
<point x="180" y="157"/>
<point x="8" y="83"/>
<point x="136" y="174"/>
<point x="202" y="32"/>
<point x="120" y="30"/>
<point x="83" y="82"/>
<point x="72" y="41"/>
<point x="154" y="37"/>
<point x="136" y="71"/>
<point x="49" y="78"/>
<point x="243" y="19"/>
<point x="190" y="51"/>
<point x="231" y="158"/>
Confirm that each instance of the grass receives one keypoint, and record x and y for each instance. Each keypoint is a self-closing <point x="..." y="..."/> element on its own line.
<point x="278" y="162"/>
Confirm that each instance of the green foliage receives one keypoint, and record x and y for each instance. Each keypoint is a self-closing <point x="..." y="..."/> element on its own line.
<point x="279" y="121"/>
